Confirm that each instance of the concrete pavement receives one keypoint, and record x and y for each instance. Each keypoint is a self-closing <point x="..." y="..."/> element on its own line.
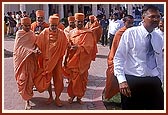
<point x="92" y="99"/>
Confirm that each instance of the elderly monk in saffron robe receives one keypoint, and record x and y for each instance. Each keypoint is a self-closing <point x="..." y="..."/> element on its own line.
<point x="25" y="63"/>
<point x="112" y="87"/>
<point x="94" y="25"/>
<point x="71" y="22"/>
<point x="78" y="59"/>
<point x="60" y="25"/>
<point x="71" y="26"/>
<point x="52" y="43"/>
<point x="39" y="24"/>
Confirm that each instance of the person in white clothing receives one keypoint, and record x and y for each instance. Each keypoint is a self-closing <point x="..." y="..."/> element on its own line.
<point x="139" y="83"/>
<point x="114" y="26"/>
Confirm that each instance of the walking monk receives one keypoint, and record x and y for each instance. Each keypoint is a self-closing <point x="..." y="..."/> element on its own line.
<point x="37" y="27"/>
<point x="25" y="63"/>
<point x="71" y="22"/>
<point x="94" y="25"/>
<point x="112" y="87"/>
<point x="39" y="24"/>
<point x="81" y="52"/>
<point x="52" y="43"/>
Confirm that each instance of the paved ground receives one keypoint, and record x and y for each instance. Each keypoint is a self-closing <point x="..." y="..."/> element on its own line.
<point x="92" y="99"/>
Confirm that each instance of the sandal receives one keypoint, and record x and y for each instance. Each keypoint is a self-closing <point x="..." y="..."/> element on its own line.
<point x="79" y="101"/>
<point x="49" y="101"/>
<point x="70" y="100"/>
<point x="58" y="103"/>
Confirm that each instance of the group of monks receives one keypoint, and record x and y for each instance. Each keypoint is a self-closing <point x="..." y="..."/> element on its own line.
<point x="45" y="51"/>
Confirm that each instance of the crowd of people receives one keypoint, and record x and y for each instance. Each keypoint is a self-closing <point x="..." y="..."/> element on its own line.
<point x="45" y="51"/>
<point x="12" y="21"/>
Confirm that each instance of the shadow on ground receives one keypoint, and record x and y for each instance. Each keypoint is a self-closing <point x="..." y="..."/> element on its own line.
<point x="7" y="53"/>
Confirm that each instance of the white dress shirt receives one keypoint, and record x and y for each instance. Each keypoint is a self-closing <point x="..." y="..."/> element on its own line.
<point x="130" y="57"/>
<point x="161" y="33"/>
<point x="114" y="26"/>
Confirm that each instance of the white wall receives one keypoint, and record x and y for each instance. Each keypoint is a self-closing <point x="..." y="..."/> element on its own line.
<point x="30" y="7"/>
<point x="11" y="8"/>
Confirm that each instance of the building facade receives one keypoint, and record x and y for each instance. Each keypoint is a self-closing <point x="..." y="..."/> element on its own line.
<point x="64" y="10"/>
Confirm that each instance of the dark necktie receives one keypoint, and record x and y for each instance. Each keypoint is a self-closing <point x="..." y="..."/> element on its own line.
<point x="150" y="57"/>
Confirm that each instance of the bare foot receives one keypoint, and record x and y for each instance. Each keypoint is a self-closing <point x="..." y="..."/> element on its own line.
<point x="27" y="105"/>
<point x="58" y="102"/>
<point x="49" y="101"/>
<point x="70" y="100"/>
<point x="80" y="101"/>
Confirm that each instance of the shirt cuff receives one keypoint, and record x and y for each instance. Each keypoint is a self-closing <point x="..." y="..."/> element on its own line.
<point x="121" y="78"/>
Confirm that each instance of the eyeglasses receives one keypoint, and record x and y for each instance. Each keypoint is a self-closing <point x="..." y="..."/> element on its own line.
<point x="154" y="17"/>
<point x="40" y="17"/>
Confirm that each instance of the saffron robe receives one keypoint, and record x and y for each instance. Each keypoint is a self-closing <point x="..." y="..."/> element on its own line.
<point x="112" y="87"/>
<point x="78" y="61"/>
<point x="34" y="25"/>
<point x="25" y="63"/>
<point x="52" y="46"/>
<point x="67" y="30"/>
<point x="96" y="28"/>
<point x="61" y="26"/>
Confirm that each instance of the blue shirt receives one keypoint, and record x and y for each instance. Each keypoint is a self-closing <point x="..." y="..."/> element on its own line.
<point x="104" y="23"/>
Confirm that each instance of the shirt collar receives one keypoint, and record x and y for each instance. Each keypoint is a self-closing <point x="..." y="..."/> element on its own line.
<point x="145" y="32"/>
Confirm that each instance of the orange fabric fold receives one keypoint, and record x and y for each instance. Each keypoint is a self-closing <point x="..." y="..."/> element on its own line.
<point x="67" y="30"/>
<point x="96" y="28"/>
<point x="35" y="24"/>
<point x="25" y="63"/>
<point x="61" y="26"/>
<point x="112" y="87"/>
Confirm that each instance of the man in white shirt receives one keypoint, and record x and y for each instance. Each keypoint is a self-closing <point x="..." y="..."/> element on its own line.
<point x="139" y="84"/>
<point x="114" y="26"/>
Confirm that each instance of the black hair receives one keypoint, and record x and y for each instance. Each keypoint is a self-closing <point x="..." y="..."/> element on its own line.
<point x="147" y="7"/>
<point x="162" y="19"/>
<point x="127" y="16"/>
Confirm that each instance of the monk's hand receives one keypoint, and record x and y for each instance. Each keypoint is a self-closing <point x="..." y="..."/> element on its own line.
<point x="74" y="47"/>
<point x="124" y="89"/>
<point x="65" y="62"/>
<point x="37" y="51"/>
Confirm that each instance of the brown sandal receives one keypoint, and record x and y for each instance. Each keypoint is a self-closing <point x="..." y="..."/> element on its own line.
<point x="70" y="100"/>
<point x="58" y="103"/>
<point x="79" y="101"/>
<point x="49" y="101"/>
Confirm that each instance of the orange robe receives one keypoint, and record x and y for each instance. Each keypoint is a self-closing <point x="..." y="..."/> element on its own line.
<point x="61" y="26"/>
<point x="35" y="24"/>
<point x="52" y="46"/>
<point x="78" y="61"/>
<point x="25" y="63"/>
<point x="5" y="28"/>
<point x="67" y="30"/>
<point x="96" y="28"/>
<point x="112" y="87"/>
